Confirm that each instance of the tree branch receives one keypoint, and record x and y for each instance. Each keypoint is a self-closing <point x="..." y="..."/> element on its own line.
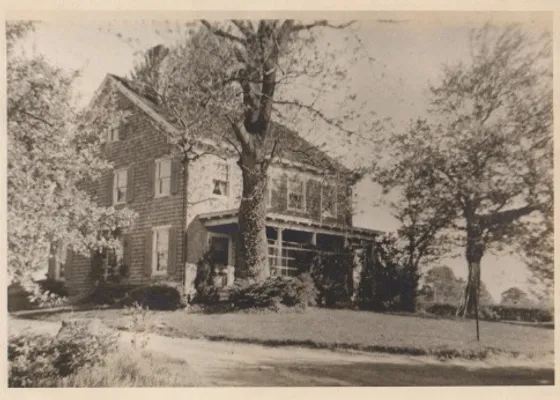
<point x="313" y="110"/>
<point x="222" y="33"/>
<point x="325" y="23"/>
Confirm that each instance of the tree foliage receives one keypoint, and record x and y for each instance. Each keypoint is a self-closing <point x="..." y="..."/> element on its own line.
<point x="447" y="288"/>
<point x="53" y="149"/>
<point x="481" y="166"/>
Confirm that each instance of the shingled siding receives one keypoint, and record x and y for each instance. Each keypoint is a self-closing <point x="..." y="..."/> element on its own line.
<point x="139" y="146"/>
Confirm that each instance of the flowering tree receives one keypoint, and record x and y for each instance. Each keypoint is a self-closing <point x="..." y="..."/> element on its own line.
<point x="239" y="79"/>
<point x="480" y="169"/>
<point x="53" y="150"/>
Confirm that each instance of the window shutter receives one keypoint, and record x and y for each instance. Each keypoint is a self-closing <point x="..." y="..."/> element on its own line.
<point x="148" y="243"/>
<point x="171" y="265"/>
<point x="151" y="178"/>
<point x="68" y="264"/>
<point x="109" y="189"/>
<point x="127" y="254"/>
<point x="175" y="176"/>
<point x="130" y="184"/>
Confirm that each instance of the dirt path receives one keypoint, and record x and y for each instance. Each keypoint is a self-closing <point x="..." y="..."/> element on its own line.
<point x="239" y="364"/>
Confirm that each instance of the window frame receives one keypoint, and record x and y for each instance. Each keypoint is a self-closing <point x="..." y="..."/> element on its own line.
<point x="60" y="259"/>
<point x="155" y="231"/>
<point x="334" y="212"/>
<point x="113" y="135"/>
<point x="303" y="181"/>
<point x="225" y="164"/>
<point x="157" y="178"/>
<point x="115" y="185"/>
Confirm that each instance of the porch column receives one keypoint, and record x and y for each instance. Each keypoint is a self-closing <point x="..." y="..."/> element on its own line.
<point x="314" y="238"/>
<point x="279" y="246"/>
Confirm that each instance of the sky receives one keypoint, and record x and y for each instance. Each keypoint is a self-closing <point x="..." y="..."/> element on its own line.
<point x="408" y="51"/>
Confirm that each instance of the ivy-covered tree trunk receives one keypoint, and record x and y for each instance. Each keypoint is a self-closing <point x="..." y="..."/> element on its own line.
<point x="252" y="260"/>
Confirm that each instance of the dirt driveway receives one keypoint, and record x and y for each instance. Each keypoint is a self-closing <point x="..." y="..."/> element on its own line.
<point x="236" y="364"/>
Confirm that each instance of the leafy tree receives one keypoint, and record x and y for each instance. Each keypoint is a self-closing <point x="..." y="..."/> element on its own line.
<point x="240" y="79"/>
<point x="485" y="157"/>
<point x="516" y="297"/>
<point x="53" y="149"/>
<point x="388" y="282"/>
<point x="447" y="288"/>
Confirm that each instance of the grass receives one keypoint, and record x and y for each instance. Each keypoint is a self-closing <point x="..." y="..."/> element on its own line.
<point x="347" y="329"/>
<point x="135" y="369"/>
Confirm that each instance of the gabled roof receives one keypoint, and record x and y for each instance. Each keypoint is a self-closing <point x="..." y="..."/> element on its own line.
<point x="294" y="147"/>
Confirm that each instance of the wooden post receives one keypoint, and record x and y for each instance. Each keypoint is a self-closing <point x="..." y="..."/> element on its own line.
<point x="279" y="247"/>
<point x="314" y="238"/>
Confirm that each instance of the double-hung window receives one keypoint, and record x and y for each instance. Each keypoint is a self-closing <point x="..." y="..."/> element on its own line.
<point x="119" y="186"/>
<point x="296" y="193"/>
<point x="220" y="181"/>
<point x="113" y="135"/>
<point x="160" y="251"/>
<point x="163" y="177"/>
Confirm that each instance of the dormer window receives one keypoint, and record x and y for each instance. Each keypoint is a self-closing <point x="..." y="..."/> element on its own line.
<point x="220" y="182"/>
<point x="113" y="135"/>
<point x="296" y="193"/>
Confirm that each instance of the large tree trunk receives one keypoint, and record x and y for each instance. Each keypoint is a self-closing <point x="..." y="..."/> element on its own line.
<point x="475" y="250"/>
<point x="252" y="257"/>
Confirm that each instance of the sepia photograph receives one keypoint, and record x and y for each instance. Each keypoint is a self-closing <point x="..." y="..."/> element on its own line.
<point x="201" y="201"/>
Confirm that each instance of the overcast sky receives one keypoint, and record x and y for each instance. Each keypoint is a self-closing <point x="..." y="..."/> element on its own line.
<point x="408" y="51"/>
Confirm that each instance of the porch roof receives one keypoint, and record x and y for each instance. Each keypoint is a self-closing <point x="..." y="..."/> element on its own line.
<point x="227" y="217"/>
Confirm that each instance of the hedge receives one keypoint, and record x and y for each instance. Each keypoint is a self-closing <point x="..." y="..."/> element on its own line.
<point x="494" y="312"/>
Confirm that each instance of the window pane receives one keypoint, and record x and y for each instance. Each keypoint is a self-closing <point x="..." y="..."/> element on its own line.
<point x="121" y="194"/>
<point x="164" y="186"/>
<point x="164" y="169"/>
<point x="162" y="246"/>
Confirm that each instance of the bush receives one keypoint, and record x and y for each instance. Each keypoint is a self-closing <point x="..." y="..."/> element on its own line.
<point x="108" y="294"/>
<point x="135" y="369"/>
<point x="332" y="275"/>
<point x="159" y="296"/>
<point x="272" y="293"/>
<point x="41" y="360"/>
<point x="57" y="288"/>
<point x="206" y="292"/>
<point x="386" y="284"/>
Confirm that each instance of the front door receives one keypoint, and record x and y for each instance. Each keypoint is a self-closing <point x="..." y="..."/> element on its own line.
<point x="219" y="247"/>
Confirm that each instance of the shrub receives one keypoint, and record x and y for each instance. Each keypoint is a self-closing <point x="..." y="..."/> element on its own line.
<point x="55" y="287"/>
<point x="108" y="293"/>
<point x="272" y="293"/>
<point x="332" y="275"/>
<point x="41" y="360"/>
<point x="158" y="296"/>
<point x="135" y="369"/>
<point x="387" y="283"/>
<point x="206" y="292"/>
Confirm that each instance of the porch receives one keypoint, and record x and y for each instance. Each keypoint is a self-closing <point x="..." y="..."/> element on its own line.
<point x="293" y="242"/>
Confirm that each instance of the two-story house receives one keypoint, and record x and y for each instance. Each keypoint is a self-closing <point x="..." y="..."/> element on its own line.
<point x="182" y="215"/>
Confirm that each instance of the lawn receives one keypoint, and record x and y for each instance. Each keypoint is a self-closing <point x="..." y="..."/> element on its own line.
<point x="348" y="329"/>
